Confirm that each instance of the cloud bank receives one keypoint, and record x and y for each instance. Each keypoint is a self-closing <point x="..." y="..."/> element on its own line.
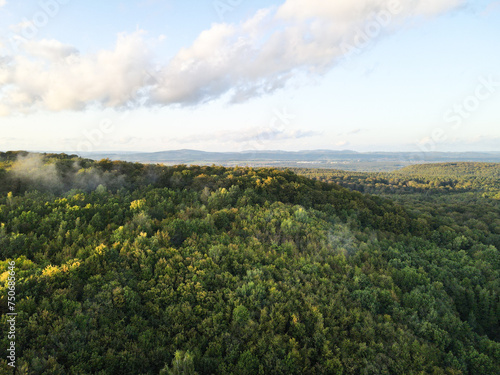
<point x="254" y="135"/>
<point x="246" y="60"/>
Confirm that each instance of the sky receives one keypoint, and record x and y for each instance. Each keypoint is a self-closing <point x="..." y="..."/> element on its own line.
<point x="237" y="75"/>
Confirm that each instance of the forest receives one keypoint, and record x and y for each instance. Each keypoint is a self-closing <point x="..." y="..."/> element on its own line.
<point x="129" y="268"/>
<point x="433" y="179"/>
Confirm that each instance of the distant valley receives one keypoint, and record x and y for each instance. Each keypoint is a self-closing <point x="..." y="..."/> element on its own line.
<point x="345" y="160"/>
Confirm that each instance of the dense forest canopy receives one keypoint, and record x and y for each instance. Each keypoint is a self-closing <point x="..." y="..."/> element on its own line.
<point x="128" y="268"/>
<point x="480" y="178"/>
<point x="457" y="170"/>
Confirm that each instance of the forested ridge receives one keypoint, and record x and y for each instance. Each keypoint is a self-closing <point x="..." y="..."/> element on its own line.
<point x="126" y="268"/>
<point x="437" y="179"/>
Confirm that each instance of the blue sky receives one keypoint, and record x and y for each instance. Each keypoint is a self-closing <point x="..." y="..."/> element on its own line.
<point x="152" y="75"/>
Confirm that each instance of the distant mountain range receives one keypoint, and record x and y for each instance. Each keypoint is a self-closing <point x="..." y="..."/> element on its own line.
<point x="345" y="159"/>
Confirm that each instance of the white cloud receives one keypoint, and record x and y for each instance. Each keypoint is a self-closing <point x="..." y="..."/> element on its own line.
<point x="244" y="60"/>
<point x="53" y="76"/>
<point x="255" y="135"/>
<point x="352" y="132"/>
<point x="264" y="53"/>
<point x="21" y="26"/>
<point x="51" y="50"/>
<point x="3" y="3"/>
<point x="341" y="143"/>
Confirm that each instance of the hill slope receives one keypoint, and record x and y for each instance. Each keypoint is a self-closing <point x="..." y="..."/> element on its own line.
<point x="458" y="170"/>
<point x="120" y="268"/>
